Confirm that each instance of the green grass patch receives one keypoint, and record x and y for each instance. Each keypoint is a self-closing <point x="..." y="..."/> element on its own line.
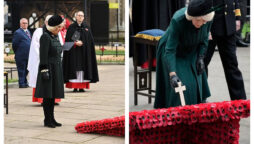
<point x="110" y="52"/>
<point x="11" y="81"/>
<point x="111" y="61"/>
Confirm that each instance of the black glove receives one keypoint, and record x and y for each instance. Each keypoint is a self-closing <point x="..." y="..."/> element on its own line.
<point x="45" y="74"/>
<point x="200" y="65"/>
<point x="174" y="81"/>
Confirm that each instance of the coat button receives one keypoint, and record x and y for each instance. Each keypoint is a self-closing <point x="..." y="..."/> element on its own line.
<point x="226" y="6"/>
<point x="226" y="13"/>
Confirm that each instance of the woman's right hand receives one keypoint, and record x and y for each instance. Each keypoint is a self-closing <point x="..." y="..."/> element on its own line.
<point x="174" y="79"/>
<point x="45" y="74"/>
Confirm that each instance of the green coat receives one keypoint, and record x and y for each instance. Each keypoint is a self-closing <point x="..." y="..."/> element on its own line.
<point x="177" y="51"/>
<point x="50" y="58"/>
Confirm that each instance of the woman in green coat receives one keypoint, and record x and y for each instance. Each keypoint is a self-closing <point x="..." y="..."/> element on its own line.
<point x="180" y="56"/>
<point x="50" y="83"/>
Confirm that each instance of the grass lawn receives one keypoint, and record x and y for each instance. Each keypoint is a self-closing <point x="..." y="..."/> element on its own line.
<point x="110" y="52"/>
<point x="11" y="81"/>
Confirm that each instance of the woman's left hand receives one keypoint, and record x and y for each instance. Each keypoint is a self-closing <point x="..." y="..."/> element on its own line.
<point x="200" y="65"/>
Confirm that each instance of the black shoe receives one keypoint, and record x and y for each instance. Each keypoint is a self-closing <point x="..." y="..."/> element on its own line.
<point x="240" y="43"/>
<point x="81" y="90"/>
<point x="75" y="90"/>
<point x="49" y="124"/>
<point x="23" y="86"/>
<point x="56" y="123"/>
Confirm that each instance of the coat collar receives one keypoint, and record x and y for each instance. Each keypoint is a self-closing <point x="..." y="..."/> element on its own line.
<point x="83" y="24"/>
<point x="50" y="33"/>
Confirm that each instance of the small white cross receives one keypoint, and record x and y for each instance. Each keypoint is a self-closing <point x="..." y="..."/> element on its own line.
<point x="142" y="81"/>
<point x="180" y="90"/>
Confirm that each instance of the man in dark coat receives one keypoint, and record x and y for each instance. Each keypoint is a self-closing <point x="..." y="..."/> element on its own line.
<point x="225" y="24"/>
<point x="79" y="63"/>
<point x="21" y="45"/>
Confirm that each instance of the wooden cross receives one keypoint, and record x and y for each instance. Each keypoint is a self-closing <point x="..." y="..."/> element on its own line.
<point x="180" y="90"/>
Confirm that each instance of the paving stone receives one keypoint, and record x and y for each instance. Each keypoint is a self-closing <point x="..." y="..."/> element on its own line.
<point x="19" y="140"/>
<point x="102" y="140"/>
<point x="71" y="136"/>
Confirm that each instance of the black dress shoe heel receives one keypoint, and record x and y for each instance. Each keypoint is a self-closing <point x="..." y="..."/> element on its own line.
<point x="75" y="90"/>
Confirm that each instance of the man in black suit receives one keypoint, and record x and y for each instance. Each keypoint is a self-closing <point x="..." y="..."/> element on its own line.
<point x="226" y="23"/>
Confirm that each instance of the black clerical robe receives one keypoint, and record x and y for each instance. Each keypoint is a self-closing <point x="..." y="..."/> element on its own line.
<point x="80" y="58"/>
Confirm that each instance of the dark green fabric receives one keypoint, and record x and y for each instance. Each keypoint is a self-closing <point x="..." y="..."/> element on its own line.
<point x="177" y="51"/>
<point x="50" y="57"/>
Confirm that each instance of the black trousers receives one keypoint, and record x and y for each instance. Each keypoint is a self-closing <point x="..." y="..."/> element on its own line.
<point x="227" y="50"/>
